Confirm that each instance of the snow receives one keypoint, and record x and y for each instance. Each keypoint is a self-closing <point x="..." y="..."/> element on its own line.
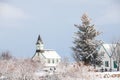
<point x="88" y="76"/>
<point x="106" y="75"/>
<point x="51" y="54"/>
<point x="41" y="73"/>
<point x="108" y="48"/>
<point x="2" y="77"/>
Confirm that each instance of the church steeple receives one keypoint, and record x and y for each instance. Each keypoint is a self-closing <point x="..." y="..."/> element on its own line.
<point x="39" y="40"/>
<point x="39" y="43"/>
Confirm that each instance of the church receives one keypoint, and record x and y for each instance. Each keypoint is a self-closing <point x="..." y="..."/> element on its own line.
<point x="50" y="58"/>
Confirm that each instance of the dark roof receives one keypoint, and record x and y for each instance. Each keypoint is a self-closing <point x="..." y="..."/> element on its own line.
<point x="39" y="39"/>
<point x="41" y="51"/>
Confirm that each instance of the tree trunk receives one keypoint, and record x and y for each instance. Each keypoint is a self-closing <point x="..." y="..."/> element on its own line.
<point x="110" y="65"/>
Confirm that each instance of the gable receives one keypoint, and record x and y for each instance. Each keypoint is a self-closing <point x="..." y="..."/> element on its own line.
<point x="107" y="49"/>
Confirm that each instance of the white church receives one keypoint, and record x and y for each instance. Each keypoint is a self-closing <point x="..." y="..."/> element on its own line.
<point x="49" y="57"/>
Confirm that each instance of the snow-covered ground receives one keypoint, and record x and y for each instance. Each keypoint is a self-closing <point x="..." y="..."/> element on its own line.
<point x="100" y="76"/>
<point x="106" y="75"/>
<point x="86" y="76"/>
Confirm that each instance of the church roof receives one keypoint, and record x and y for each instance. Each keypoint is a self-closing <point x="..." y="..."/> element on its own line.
<point x="39" y="39"/>
<point x="50" y="54"/>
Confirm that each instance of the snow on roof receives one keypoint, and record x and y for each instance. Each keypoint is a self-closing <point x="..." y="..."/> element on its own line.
<point x="108" y="48"/>
<point x="50" y="54"/>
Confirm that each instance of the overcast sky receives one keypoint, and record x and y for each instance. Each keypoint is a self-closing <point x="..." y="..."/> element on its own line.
<point x="21" y="21"/>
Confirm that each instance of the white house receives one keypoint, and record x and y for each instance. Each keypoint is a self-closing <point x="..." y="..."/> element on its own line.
<point x="108" y="62"/>
<point x="49" y="57"/>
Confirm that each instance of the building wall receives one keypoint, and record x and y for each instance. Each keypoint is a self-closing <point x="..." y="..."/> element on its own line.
<point x="106" y="60"/>
<point x="48" y="62"/>
<point x="38" y="57"/>
<point x="108" y="64"/>
<point x="52" y="62"/>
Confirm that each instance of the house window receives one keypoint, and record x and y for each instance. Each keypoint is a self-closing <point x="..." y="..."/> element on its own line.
<point x="115" y="64"/>
<point x="48" y="60"/>
<point x="53" y="61"/>
<point x="106" y="64"/>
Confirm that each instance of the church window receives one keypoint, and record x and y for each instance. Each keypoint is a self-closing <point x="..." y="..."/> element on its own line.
<point x="57" y="61"/>
<point x="48" y="60"/>
<point x="53" y="61"/>
<point x="106" y="64"/>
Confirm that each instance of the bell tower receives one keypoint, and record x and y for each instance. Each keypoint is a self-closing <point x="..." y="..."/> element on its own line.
<point x="39" y="44"/>
<point x="39" y="49"/>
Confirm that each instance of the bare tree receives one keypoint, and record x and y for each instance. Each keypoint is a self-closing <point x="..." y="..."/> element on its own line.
<point x="110" y="53"/>
<point x="6" y="55"/>
<point x="116" y="54"/>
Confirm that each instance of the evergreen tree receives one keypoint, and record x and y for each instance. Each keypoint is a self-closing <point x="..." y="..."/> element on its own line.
<point x="85" y="46"/>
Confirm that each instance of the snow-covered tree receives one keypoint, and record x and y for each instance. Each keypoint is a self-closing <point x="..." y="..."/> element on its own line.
<point x="85" y="45"/>
<point x="19" y="69"/>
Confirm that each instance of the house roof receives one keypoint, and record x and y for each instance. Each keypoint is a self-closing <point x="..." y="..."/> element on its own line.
<point x="108" y="48"/>
<point x="50" y="54"/>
